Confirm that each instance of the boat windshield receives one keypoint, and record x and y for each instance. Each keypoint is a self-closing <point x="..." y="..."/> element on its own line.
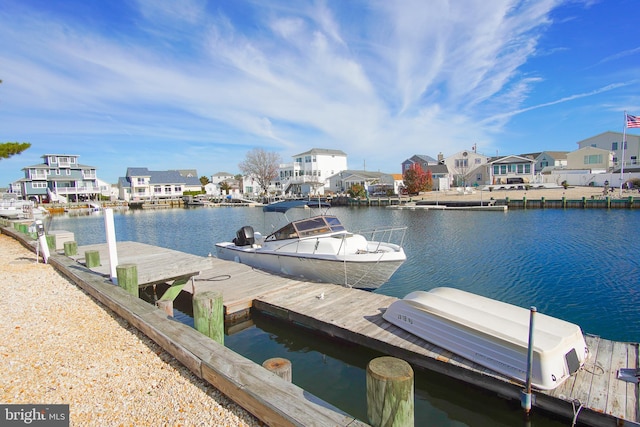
<point x="308" y="227"/>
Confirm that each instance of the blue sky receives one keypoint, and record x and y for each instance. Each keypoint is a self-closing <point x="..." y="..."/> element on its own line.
<point x="195" y="84"/>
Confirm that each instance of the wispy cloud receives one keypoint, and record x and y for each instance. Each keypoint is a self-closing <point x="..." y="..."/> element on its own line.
<point x="502" y="117"/>
<point x="360" y="76"/>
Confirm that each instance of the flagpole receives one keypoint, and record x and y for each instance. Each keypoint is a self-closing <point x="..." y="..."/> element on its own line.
<point x="624" y="142"/>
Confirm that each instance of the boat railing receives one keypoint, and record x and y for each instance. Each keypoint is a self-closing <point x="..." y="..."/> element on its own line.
<point x="386" y="234"/>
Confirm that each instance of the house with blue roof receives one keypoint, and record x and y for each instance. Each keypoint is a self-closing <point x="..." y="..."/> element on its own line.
<point x="60" y="177"/>
<point x="141" y="184"/>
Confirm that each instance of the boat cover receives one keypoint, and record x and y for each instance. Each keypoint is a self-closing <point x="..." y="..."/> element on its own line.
<point x="282" y="207"/>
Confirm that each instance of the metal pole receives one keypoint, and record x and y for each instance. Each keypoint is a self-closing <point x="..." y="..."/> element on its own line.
<point x="525" y="398"/>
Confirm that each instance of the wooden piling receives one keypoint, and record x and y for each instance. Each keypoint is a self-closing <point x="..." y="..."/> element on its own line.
<point x="127" y="275"/>
<point x="70" y="248"/>
<point x="92" y="259"/>
<point x="51" y="242"/>
<point x="208" y="315"/>
<point x="279" y="366"/>
<point x="390" y="392"/>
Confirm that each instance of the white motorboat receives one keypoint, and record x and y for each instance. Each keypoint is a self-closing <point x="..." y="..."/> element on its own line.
<point x="319" y="248"/>
<point x="12" y="208"/>
<point x="493" y="334"/>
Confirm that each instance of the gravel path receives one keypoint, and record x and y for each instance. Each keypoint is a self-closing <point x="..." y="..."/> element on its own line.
<point x="58" y="345"/>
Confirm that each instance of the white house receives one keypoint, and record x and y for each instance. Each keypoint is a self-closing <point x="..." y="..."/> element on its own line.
<point x="309" y="172"/>
<point x="372" y="182"/>
<point x="466" y="168"/>
<point x="217" y="178"/>
<point x="612" y="141"/>
<point x="511" y="170"/>
<point x="141" y="184"/>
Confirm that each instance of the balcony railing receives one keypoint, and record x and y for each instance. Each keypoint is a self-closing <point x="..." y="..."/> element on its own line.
<point x="77" y="190"/>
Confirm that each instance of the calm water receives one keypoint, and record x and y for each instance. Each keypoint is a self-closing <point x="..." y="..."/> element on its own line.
<point x="579" y="265"/>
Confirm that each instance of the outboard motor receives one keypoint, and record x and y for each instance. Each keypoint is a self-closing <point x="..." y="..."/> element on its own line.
<point x="244" y="236"/>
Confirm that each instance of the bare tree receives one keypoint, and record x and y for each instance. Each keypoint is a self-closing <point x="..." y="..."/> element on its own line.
<point x="262" y="166"/>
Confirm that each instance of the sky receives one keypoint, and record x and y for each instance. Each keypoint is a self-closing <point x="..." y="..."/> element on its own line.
<point x="196" y="84"/>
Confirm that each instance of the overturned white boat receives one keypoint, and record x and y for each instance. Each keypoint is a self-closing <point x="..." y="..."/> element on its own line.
<point x="493" y="334"/>
<point x="319" y="248"/>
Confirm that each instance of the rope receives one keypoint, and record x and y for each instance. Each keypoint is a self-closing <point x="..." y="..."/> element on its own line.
<point x="218" y="278"/>
<point x="575" y="413"/>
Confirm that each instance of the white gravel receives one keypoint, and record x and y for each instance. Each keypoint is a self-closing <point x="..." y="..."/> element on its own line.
<point x="58" y="345"/>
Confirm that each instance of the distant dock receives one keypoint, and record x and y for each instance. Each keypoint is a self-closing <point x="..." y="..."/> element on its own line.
<point x="594" y="394"/>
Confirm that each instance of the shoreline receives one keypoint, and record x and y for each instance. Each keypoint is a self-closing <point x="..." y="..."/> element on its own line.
<point x="571" y="193"/>
<point x="60" y="346"/>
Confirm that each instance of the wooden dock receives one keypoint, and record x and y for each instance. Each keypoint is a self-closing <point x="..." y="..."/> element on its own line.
<point x="356" y="316"/>
<point x="594" y="395"/>
<point x="155" y="264"/>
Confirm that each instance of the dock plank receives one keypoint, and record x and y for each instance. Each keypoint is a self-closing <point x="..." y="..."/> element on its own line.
<point x="600" y="384"/>
<point x="617" y="392"/>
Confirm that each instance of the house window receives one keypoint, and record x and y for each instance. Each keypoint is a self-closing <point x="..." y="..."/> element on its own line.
<point x="38" y="185"/>
<point x="593" y="159"/>
<point x="614" y="146"/>
<point x="478" y="177"/>
<point x="527" y="168"/>
<point x="68" y="171"/>
<point x="634" y="160"/>
<point x="140" y="181"/>
<point x="478" y="160"/>
<point x="167" y="189"/>
<point x="520" y="169"/>
<point x="157" y="189"/>
<point x="57" y="171"/>
<point x="307" y="159"/>
<point x="178" y="189"/>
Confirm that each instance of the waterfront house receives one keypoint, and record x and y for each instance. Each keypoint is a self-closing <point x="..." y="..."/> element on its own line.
<point x="372" y="182"/>
<point x="143" y="184"/>
<point x="593" y="159"/>
<point x="557" y="159"/>
<point x="440" y="176"/>
<point x="465" y="168"/>
<point x="60" y="178"/>
<point x="310" y="170"/>
<point x="220" y="177"/>
<point x="419" y="159"/>
<point x="510" y="170"/>
<point x="612" y="141"/>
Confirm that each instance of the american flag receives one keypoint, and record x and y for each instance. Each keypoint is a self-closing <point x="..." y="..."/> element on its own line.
<point x="633" y="121"/>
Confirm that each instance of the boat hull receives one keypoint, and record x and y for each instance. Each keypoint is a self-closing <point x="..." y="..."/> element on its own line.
<point x="493" y="334"/>
<point x="363" y="271"/>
